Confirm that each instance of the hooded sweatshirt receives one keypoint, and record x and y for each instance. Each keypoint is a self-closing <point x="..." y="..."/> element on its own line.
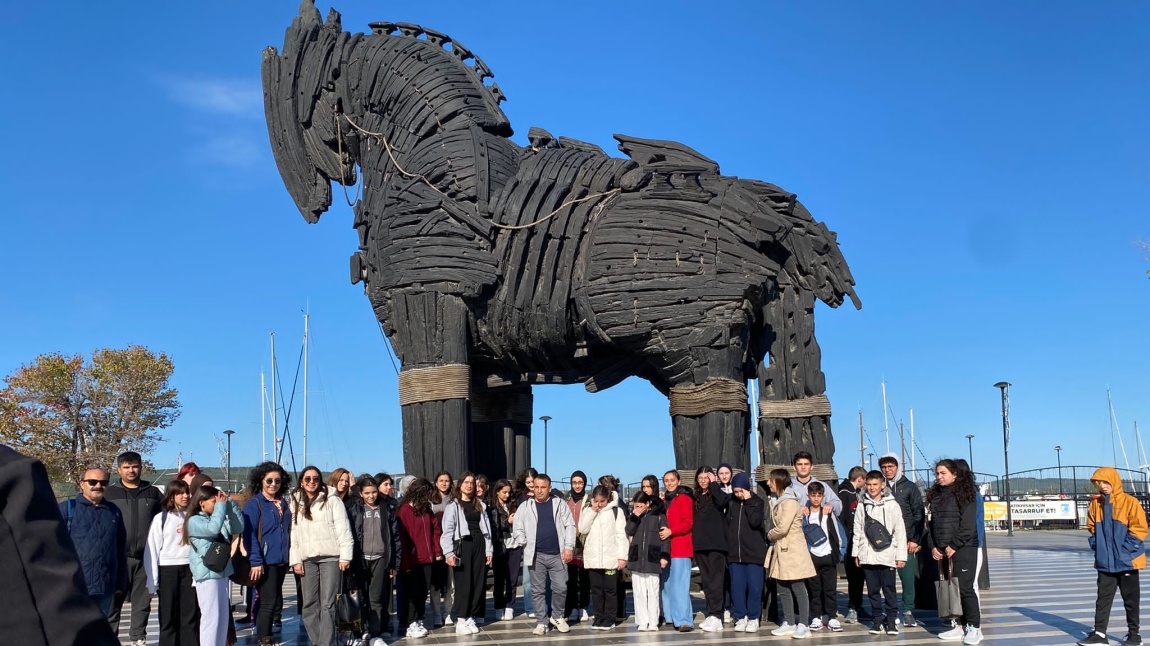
<point x="909" y="498"/>
<point x="1117" y="525"/>
<point x="886" y="511"/>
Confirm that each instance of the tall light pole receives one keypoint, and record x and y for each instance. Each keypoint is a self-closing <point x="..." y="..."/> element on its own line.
<point x="1005" y="388"/>
<point x="970" y="451"/>
<point x="228" y="464"/>
<point x="545" y="419"/>
<point x="1058" y="452"/>
<point x="870" y="460"/>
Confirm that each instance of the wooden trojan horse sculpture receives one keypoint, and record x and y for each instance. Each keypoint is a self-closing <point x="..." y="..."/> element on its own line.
<point x="494" y="267"/>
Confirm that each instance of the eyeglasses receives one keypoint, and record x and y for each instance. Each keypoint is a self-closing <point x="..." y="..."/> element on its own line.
<point x="272" y="481"/>
<point x="92" y="482"/>
<point x="311" y="479"/>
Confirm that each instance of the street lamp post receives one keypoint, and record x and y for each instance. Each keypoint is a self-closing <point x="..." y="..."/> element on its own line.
<point x="545" y="419"/>
<point x="228" y="464"/>
<point x="870" y="460"/>
<point x="1058" y="452"/>
<point x="970" y="451"/>
<point x="1005" y="388"/>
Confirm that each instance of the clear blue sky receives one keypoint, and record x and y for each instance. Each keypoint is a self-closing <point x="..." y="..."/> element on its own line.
<point x="984" y="164"/>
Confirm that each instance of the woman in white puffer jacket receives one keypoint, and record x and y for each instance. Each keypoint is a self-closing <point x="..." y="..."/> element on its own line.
<point x="605" y="545"/>
<point x="321" y="550"/>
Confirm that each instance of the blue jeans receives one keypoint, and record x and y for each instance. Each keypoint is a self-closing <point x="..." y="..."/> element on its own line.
<point x="103" y="602"/>
<point x="746" y="590"/>
<point x="677" y="593"/>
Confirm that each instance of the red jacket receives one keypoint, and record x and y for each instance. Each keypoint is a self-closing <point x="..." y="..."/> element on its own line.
<point x="418" y="537"/>
<point x="681" y="520"/>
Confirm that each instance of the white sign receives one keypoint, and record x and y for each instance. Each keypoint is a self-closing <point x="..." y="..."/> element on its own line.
<point x="1033" y="510"/>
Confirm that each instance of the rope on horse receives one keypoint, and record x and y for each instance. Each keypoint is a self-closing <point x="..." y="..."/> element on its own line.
<point x="435" y="383"/>
<point x="497" y="407"/>
<point x="792" y="408"/>
<point x="710" y="396"/>
<point x="823" y="472"/>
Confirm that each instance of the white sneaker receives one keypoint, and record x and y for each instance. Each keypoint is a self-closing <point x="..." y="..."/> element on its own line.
<point x="711" y="624"/>
<point x="816" y="624"/>
<point x="835" y="626"/>
<point x="727" y="616"/>
<point x="973" y="636"/>
<point x="508" y="614"/>
<point x="752" y="625"/>
<point x="447" y="620"/>
<point x="785" y="629"/>
<point x="377" y="641"/>
<point x="471" y="624"/>
<point x="415" y="631"/>
<point x="560" y="624"/>
<point x="531" y="615"/>
<point x="953" y="635"/>
<point x="461" y="627"/>
<point x="852" y="616"/>
<point x="801" y="632"/>
<point x="540" y="629"/>
<point x="583" y="615"/>
<point x="741" y="625"/>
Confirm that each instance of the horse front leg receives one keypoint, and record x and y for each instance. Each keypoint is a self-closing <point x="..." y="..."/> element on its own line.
<point x="431" y="340"/>
<point x="501" y="429"/>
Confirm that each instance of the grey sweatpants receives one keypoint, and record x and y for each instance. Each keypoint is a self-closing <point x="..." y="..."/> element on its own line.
<point x="321" y="583"/>
<point x="548" y="566"/>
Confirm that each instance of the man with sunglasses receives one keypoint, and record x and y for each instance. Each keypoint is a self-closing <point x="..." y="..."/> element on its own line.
<point x="97" y="530"/>
<point x="138" y="501"/>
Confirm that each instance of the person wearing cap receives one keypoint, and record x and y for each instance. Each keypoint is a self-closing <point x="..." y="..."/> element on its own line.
<point x="746" y="553"/>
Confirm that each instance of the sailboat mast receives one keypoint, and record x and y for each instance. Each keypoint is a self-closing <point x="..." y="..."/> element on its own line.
<point x="263" y="418"/>
<point x="862" y="446"/>
<point x="1114" y="429"/>
<point x="885" y="422"/>
<point x="901" y="446"/>
<point x="912" y="446"/>
<point x="305" y="358"/>
<point x="275" y="417"/>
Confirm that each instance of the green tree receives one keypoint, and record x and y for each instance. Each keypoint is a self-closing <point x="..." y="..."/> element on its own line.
<point x="71" y="412"/>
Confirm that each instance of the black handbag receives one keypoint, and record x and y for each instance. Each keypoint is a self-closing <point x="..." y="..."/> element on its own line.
<point x="218" y="555"/>
<point x="876" y="533"/>
<point x="347" y="607"/>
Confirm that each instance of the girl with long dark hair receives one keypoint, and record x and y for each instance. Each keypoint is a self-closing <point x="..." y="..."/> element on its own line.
<point x="211" y="516"/>
<point x="419" y="535"/>
<point x="267" y="537"/>
<point x="954" y="542"/>
<point x="506" y="560"/>
<point x="168" y="572"/>
<point x="466" y="545"/>
<point x="442" y="583"/>
<point x="710" y="540"/>
<point x="321" y="550"/>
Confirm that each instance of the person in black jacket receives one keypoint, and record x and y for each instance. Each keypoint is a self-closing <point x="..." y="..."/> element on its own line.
<point x="746" y="553"/>
<point x="953" y="535"/>
<point x="139" y="502"/>
<point x="377" y="549"/>
<point x="849" y="492"/>
<point x="709" y="536"/>
<point x="46" y="601"/>
<point x="909" y="499"/>
<point x="647" y="556"/>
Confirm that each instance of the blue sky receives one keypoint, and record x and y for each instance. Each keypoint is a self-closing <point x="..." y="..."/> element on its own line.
<point x="984" y="165"/>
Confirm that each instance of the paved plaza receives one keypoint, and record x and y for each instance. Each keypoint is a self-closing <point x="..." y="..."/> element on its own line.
<point x="1042" y="592"/>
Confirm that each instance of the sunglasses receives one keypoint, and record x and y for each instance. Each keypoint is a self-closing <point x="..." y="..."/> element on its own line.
<point x="92" y="482"/>
<point x="311" y="479"/>
<point x="272" y="481"/>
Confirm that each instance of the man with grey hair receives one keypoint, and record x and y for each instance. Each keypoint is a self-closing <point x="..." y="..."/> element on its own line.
<point x="97" y="530"/>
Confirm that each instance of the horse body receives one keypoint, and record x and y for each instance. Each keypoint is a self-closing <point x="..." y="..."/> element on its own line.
<point x="492" y="267"/>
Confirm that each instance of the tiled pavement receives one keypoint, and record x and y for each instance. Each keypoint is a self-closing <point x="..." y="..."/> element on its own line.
<point x="1038" y="596"/>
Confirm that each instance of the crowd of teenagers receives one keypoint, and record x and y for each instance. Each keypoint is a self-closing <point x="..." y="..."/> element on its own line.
<point x="434" y="542"/>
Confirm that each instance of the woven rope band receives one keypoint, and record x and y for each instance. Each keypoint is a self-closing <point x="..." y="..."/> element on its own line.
<point x="792" y="408"/>
<point x="452" y="381"/>
<point x="709" y="396"/>
<point x="823" y="472"/>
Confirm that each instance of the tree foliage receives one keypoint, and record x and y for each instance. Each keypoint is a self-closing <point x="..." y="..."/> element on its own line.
<point x="72" y="413"/>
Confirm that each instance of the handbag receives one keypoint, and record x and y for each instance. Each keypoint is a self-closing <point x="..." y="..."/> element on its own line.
<point x="348" y="615"/>
<point x="948" y="594"/>
<point x="876" y="533"/>
<point x="241" y="564"/>
<point x="218" y="555"/>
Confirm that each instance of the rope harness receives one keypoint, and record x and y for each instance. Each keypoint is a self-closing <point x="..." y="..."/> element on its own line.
<point x="435" y="383"/>
<point x="710" y="396"/>
<point x="792" y="408"/>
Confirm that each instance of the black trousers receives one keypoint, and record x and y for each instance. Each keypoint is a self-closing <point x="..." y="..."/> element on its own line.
<point x="966" y="571"/>
<point x="880" y="585"/>
<point x="621" y="595"/>
<point x="578" y="590"/>
<point x="604" y="594"/>
<point x="1108" y="583"/>
<point x="141" y="602"/>
<point x="712" y="570"/>
<point x="470" y="575"/>
<point x="507" y="568"/>
<point x="854" y="583"/>
<point x="270" y="589"/>
<point x="376" y="585"/>
<point x="416" y="583"/>
<point x="823" y="587"/>
<point x="178" y="609"/>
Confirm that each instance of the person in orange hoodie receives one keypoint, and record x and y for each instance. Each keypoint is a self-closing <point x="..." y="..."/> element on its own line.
<point x="1117" y="525"/>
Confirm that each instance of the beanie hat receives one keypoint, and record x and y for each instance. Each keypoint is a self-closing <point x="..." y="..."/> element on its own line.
<point x="741" y="481"/>
<point x="724" y="464"/>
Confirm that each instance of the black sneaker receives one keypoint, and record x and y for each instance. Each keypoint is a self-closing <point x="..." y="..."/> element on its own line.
<point x="877" y="628"/>
<point x="1133" y="639"/>
<point x="1093" y="638"/>
<point x="891" y="628"/>
<point x="908" y="620"/>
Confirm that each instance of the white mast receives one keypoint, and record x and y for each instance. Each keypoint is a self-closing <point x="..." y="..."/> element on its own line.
<point x="885" y="422"/>
<point x="263" y="417"/>
<point x="912" y="445"/>
<point x="275" y="419"/>
<point x="1118" y="431"/>
<point x="305" y="330"/>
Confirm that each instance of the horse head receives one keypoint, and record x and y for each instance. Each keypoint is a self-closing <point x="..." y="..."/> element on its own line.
<point x="303" y="96"/>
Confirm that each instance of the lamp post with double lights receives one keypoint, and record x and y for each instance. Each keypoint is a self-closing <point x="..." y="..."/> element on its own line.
<point x="228" y="464"/>
<point x="1058" y="452"/>
<point x="970" y="451"/>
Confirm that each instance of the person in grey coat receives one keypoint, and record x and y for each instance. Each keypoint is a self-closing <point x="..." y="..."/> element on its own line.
<point x="544" y="526"/>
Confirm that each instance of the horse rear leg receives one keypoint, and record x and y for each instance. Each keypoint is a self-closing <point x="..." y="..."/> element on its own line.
<point x="710" y="416"/>
<point x="432" y="342"/>
<point x="501" y="430"/>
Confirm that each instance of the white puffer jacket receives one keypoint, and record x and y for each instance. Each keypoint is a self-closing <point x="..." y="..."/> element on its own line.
<point x="604" y="532"/>
<point x="326" y="535"/>
<point x="887" y="512"/>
